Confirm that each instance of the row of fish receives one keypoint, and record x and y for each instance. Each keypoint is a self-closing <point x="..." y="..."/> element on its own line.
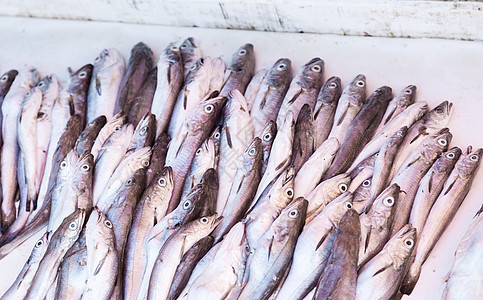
<point x="194" y="180"/>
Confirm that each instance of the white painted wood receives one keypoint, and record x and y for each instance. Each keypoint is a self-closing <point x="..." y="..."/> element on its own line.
<point x="388" y="18"/>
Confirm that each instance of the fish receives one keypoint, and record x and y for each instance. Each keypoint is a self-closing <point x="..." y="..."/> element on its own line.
<point x="464" y="279"/>
<point x="452" y="195"/>
<point x="325" y="108"/>
<point x="6" y="81"/>
<point x="102" y="257"/>
<point x="279" y="160"/>
<point x="236" y="136"/>
<point x="50" y="87"/>
<point x="128" y="165"/>
<point x="110" y="155"/>
<point x="73" y="188"/>
<point x="409" y="178"/>
<point x="195" y="88"/>
<point x="325" y="193"/>
<point x="362" y="172"/>
<point x="435" y="120"/>
<point x="303" y="89"/>
<point x="107" y="74"/>
<point x="259" y="219"/>
<point x="246" y="180"/>
<point x="406" y="119"/>
<point x="274" y="252"/>
<point x="20" y="286"/>
<point x="365" y="121"/>
<point x="267" y="135"/>
<point x="312" y="171"/>
<point x="72" y="273"/>
<point x="398" y="105"/>
<point x="376" y="221"/>
<point x="350" y="103"/>
<point x="77" y="89"/>
<point x="381" y="276"/>
<point x="114" y="124"/>
<point x="217" y="74"/>
<point x="431" y="186"/>
<point x="196" y="128"/>
<point x="139" y="65"/>
<point x="38" y="219"/>
<point x="11" y="108"/>
<point x="142" y="103"/>
<point x="158" y="156"/>
<point x="150" y="209"/>
<point x="210" y="184"/>
<point x="190" y="53"/>
<point x="240" y="71"/>
<point x="169" y="83"/>
<point x="62" y="239"/>
<point x="175" y="247"/>
<point x="187" y="264"/>
<point x="254" y="86"/>
<point x="313" y="249"/>
<point x="27" y="140"/>
<point x="384" y="160"/>
<point x="338" y="281"/>
<point x="362" y="194"/>
<point x="271" y="93"/>
<point x="304" y="138"/>
<point x="227" y="269"/>
<point x="144" y="134"/>
<point x="89" y="134"/>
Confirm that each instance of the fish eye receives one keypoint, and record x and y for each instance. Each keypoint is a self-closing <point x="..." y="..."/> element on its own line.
<point x="183" y="46"/>
<point x="63" y="165"/>
<point x="204" y="220"/>
<point x="143" y="131"/>
<point x="242" y="52"/>
<point x="85" y="167"/>
<point x="282" y="67"/>
<point x="293" y="213"/>
<point x="198" y="152"/>
<point x="129" y="182"/>
<point x="450" y="155"/>
<point x="474" y="157"/>
<point x="39" y="85"/>
<point x="187" y="204"/>
<point x="247" y="249"/>
<point x="108" y="223"/>
<point x="193" y="67"/>
<point x="73" y="226"/>
<point x="97" y="58"/>
<point x="409" y="243"/>
<point x="267" y="137"/>
<point x="209" y="108"/>
<point x="82" y="74"/>
<point x="439" y="110"/>
<point x="117" y="128"/>
<point x="343" y="187"/>
<point x="360" y="83"/>
<point x="333" y="85"/>
<point x="145" y="163"/>
<point x="4" y="78"/>
<point x="389" y="201"/>
<point x="252" y="151"/>
<point x="162" y="182"/>
<point x="366" y="183"/>
<point x="39" y="243"/>
<point x="289" y="192"/>
<point x="316" y="68"/>
<point x="442" y="142"/>
<point x="348" y="205"/>
<point x="217" y="135"/>
<point x="28" y="94"/>
<point x="408" y="92"/>
<point x="174" y="48"/>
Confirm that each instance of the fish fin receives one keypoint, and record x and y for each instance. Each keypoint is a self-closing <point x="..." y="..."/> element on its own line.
<point x="99" y="266"/>
<point x="389" y="117"/>
<point x="270" y="248"/>
<point x="281" y="164"/>
<point x="412" y="163"/>
<point x="182" y="249"/>
<point x="71" y="105"/>
<point x="181" y="144"/>
<point x="264" y="100"/>
<point x="240" y="185"/>
<point x="168" y="74"/>
<point x="450" y="187"/>
<point x="430" y="183"/>
<point x="297" y="94"/>
<point x="368" y="237"/>
<point x="185" y="99"/>
<point x="322" y="239"/>
<point x="341" y="117"/>
<point x="98" y="86"/>
<point x="381" y="270"/>
<point x="228" y="137"/>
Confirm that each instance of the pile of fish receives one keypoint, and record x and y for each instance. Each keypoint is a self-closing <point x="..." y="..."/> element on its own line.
<point x="191" y="179"/>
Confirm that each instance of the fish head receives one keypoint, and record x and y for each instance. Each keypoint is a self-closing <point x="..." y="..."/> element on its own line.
<point x="356" y="90"/>
<point x="336" y="185"/>
<point x="440" y="114"/>
<point x="336" y="209"/>
<point x="280" y="72"/>
<point x="243" y="60"/>
<point x="145" y="130"/>
<point x="469" y="161"/>
<point x="7" y="78"/>
<point x="108" y="58"/>
<point x="99" y="228"/>
<point x="350" y="224"/>
<point x="252" y="158"/>
<point x="163" y="186"/>
<point x="189" y="48"/>
<point x="205" y="113"/>
<point x="71" y="226"/>
<point x="98" y="122"/>
<point x="447" y="160"/>
<point x="32" y="100"/>
<point x="44" y="84"/>
<point x="141" y="50"/>
<point x="268" y="134"/>
<point x="363" y="191"/>
<point x="305" y="117"/>
<point x="401" y="245"/>
<point x="40" y="248"/>
<point x="189" y="207"/>
<point x="437" y="143"/>
<point x="208" y="223"/>
<point x="210" y="179"/>
<point x="312" y="73"/>
<point x="291" y="220"/>
<point x="83" y="172"/>
<point x="141" y="158"/>
<point x="172" y="53"/>
<point x="79" y="80"/>
<point x="283" y="187"/>
<point x="330" y="92"/>
<point x="68" y="165"/>
<point x="382" y="207"/>
<point x="407" y="96"/>
<point x="216" y="138"/>
<point x="398" y="137"/>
